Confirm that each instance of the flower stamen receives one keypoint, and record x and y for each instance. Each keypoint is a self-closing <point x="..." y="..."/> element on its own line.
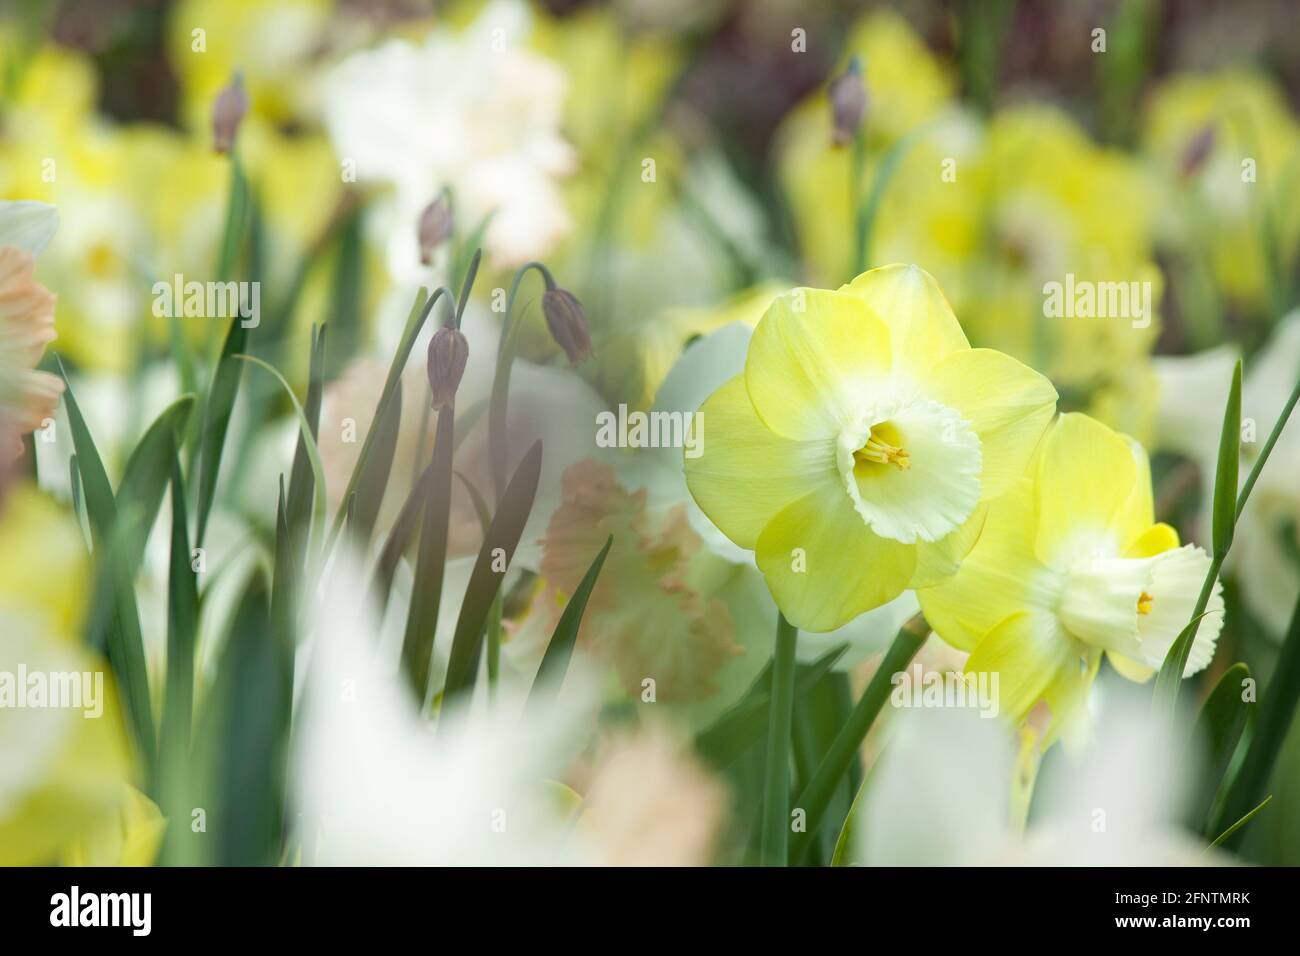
<point x="883" y="452"/>
<point x="1144" y="603"/>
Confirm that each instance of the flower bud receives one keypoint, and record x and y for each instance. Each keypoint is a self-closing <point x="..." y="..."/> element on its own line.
<point x="448" y="352"/>
<point x="227" y="113"/>
<point x="435" y="227"/>
<point x="567" y="322"/>
<point x="1197" y="151"/>
<point x="848" y="96"/>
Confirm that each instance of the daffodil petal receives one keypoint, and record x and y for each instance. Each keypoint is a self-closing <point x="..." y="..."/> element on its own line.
<point x="1129" y="668"/>
<point x="1156" y="539"/>
<point x="747" y="474"/>
<point x="1067" y="698"/>
<point x="936" y="561"/>
<point x="824" y="566"/>
<point x="998" y="576"/>
<point x="1086" y="475"/>
<point x="1026" y="650"/>
<point x="922" y="327"/>
<point x="812" y="361"/>
<point x="1008" y="405"/>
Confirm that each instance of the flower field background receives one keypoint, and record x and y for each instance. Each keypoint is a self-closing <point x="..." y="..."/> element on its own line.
<point x="649" y="432"/>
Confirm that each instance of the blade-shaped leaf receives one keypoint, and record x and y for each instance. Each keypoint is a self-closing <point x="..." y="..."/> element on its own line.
<point x="485" y="580"/>
<point x="144" y="480"/>
<point x="302" y="484"/>
<point x="555" y="660"/>
<point x="373" y="481"/>
<point x="1219" y="726"/>
<point x="182" y="628"/>
<point x="216" y="421"/>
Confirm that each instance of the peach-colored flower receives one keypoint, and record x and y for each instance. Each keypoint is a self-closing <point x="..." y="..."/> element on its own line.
<point x="27" y="396"/>
<point x="648" y="616"/>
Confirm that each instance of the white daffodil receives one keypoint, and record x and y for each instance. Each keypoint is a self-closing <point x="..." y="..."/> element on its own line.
<point x="946" y="789"/>
<point x="474" y="111"/>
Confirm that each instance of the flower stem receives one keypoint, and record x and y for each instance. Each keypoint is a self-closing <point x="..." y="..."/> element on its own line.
<point x="775" y="827"/>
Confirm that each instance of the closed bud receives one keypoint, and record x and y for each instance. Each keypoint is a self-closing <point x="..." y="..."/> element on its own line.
<point x="1198" y="151"/>
<point x="567" y="322"/>
<point x="435" y="227"/>
<point x="448" y="352"/>
<point x="227" y="113"/>
<point x="848" y="96"/>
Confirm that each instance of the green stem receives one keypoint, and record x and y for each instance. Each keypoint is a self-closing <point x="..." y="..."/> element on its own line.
<point x="816" y="797"/>
<point x="1268" y="448"/>
<point x="775" y="827"/>
<point x="494" y="644"/>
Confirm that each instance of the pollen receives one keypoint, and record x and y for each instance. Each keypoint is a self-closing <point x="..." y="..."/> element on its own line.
<point x="1144" y="603"/>
<point x="882" y="451"/>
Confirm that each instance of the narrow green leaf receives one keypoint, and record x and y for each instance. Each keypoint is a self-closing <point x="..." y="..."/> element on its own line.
<point x="430" y="563"/>
<point x="346" y="300"/>
<point x="1232" y="830"/>
<point x="216" y="421"/>
<point x="399" y="539"/>
<point x="373" y="481"/>
<point x="302" y="485"/>
<point x="743" y="725"/>
<point x="101" y="507"/>
<point x="555" y="660"/>
<point x="1228" y="471"/>
<point x="182" y="628"/>
<point x="1276" y="711"/>
<point x="501" y="540"/>
<point x="1219" y="726"/>
<point x="144" y="480"/>
<point x="774" y="826"/>
<point x="305" y="436"/>
<point x="817" y="795"/>
<point x="889" y="166"/>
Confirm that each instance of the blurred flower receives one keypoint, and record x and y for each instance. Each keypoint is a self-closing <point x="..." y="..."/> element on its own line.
<point x="436" y="226"/>
<point x="848" y="98"/>
<point x="132" y="839"/>
<point x="496" y="108"/>
<point x="855" y="451"/>
<point x="62" y="768"/>
<point x="649" y="802"/>
<point x="944" y="791"/>
<point x="27" y="397"/>
<point x="1071" y="563"/>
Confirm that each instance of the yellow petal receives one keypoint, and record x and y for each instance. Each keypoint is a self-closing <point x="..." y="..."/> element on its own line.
<point x="1156" y="539"/>
<point x="814" y="358"/>
<point x="1126" y="667"/>
<point x="747" y="474"/>
<point x="922" y="327"/>
<point x="1086" y="476"/>
<point x="1026" y="651"/>
<point x="936" y="561"/>
<point x="999" y="576"/>
<point x="1067" y="698"/>
<point x="1008" y="405"/>
<point x="824" y="566"/>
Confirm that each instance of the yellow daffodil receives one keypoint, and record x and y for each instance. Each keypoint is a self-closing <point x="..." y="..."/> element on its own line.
<point x="855" y="451"/>
<point x="1071" y="564"/>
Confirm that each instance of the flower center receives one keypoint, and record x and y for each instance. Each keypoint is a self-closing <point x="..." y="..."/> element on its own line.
<point x="881" y="448"/>
<point x="1144" y="603"/>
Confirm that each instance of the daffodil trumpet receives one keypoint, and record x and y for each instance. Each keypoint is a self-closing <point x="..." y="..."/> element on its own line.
<point x="858" y="451"/>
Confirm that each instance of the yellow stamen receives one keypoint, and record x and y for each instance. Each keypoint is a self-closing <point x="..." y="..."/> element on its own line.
<point x="1144" y="603"/>
<point x="884" y="453"/>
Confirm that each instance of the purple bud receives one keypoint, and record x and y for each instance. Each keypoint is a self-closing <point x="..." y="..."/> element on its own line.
<point x="567" y="322"/>
<point x="1197" y="151"/>
<point x="435" y="227"/>
<point x="448" y="352"/>
<point x="848" y="96"/>
<point x="227" y="113"/>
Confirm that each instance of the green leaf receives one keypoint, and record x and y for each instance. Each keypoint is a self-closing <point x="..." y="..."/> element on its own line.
<point x="816" y="796"/>
<point x="306" y="437"/>
<point x="298" y="502"/>
<point x="144" y="480"/>
<point x="735" y="731"/>
<point x="399" y="539"/>
<point x="116" y="628"/>
<point x="1232" y="830"/>
<point x="1277" y="707"/>
<point x="430" y="563"/>
<point x="889" y="166"/>
<point x="1219" y="727"/>
<point x="555" y="660"/>
<point x="346" y="302"/>
<point x="372" y="483"/>
<point x="774" y="827"/>
<point x="484" y="582"/>
<point x="216" y="421"/>
<point x="182" y="628"/>
<point x="1229" y="469"/>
